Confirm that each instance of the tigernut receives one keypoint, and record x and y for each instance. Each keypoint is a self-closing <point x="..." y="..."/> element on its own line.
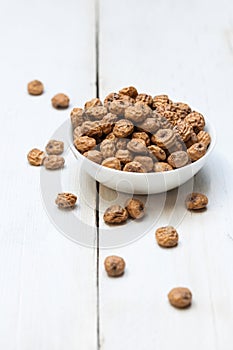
<point x="84" y="143"/>
<point x="167" y="236"/>
<point x="180" y="297"/>
<point x="195" y="201"/>
<point x="60" y="101"/>
<point x="135" y="208"/>
<point x="115" y="214"/>
<point x="54" y="162"/>
<point x="112" y="163"/>
<point x="66" y="200"/>
<point x="55" y="147"/>
<point x="114" y="266"/>
<point x="36" y="157"/>
<point x="196" y="151"/>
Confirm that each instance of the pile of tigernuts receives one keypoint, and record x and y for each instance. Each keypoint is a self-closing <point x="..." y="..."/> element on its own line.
<point x="139" y="133"/>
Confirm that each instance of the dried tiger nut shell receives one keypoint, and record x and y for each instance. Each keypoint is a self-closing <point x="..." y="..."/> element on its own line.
<point x="112" y="163"/>
<point x="77" y="132"/>
<point x="193" y="139"/>
<point x="147" y="162"/>
<point x="135" y="208"/>
<point x="94" y="156"/>
<point x="134" y="167"/>
<point x="204" y="137"/>
<point x="111" y="137"/>
<point x="145" y="99"/>
<point x="164" y="138"/>
<point x="36" y="157"/>
<point x="66" y="200"/>
<point x="180" y="297"/>
<point x="196" y="120"/>
<point x="142" y="135"/>
<point x="121" y="144"/>
<point x="108" y="122"/>
<point x="115" y="215"/>
<point x="181" y="108"/>
<point x="167" y="236"/>
<point x="178" y="159"/>
<point x="110" y="97"/>
<point x="54" y="162"/>
<point x="114" y="266"/>
<point x="35" y="87"/>
<point x="118" y="107"/>
<point x="150" y="125"/>
<point x="84" y="143"/>
<point x="107" y="148"/>
<point x="93" y="103"/>
<point x="77" y="117"/>
<point x="124" y="156"/>
<point x="184" y="130"/>
<point x="96" y="113"/>
<point x="157" y="152"/>
<point x="137" y="146"/>
<point x="195" y="201"/>
<point x="55" y="147"/>
<point x="123" y="128"/>
<point x="160" y="99"/>
<point x="129" y="91"/>
<point x="162" y="166"/>
<point x="92" y="129"/>
<point x="60" y="101"/>
<point x="196" y="151"/>
<point x="138" y="113"/>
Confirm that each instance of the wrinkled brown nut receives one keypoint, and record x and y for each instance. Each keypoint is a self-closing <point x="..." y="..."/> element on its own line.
<point x="162" y="121"/>
<point x="77" y="132"/>
<point x="77" y="117"/>
<point x="115" y="215"/>
<point x="162" y="166"/>
<point x="96" y="113"/>
<point x="204" y="137"/>
<point x="114" y="266"/>
<point x="167" y="236"/>
<point x="135" y="208"/>
<point x="180" y="297"/>
<point x="108" y="122"/>
<point x="137" y="146"/>
<point x="127" y="99"/>
<point x="60" y="101"/>
<point x="92" y="129"/>
<point x="164" y="138"/>
<point x="145" y="99"/>
<point x="196" y="201"/>
<point x="111" y="137"/>
<point x="172" y="117"/>
<point x="150" y="125"/>
<point x="84" y="143"/>
<point x="55" y="147"/>
<point x="193" y="139"/>
<point x="160" y="99"/>
<point x="142" y="135"/>
<point x="196" y="151"/>
<point x="147" y="162"/>
<point x="35" y="88"/>
<point x="138" y="113"/>
<point x="66" y="200"/>
<point x="129" y="91"/>
<point x="54" y="162"/>
<point x="178" y="146"/>
<point x="111" y="97"/>
<point x="122" y="143"/>
<point x="36" y="157"/>
<point x="178" y="159"/>
<point x="124" y="156"/>
<point x="93" y="103"/>
<point x="184" y="130"/>
<point x="94" y="156"/>
<point x="157" y="152"/>
<point x="134" y="167"/>
<point x="182" y="109"/>
<point x="196" y="120"/>
<point x="118" y="107"/>
<point x="123" y="128"/>
<point x="108" y="148"/>
<point x="112" y="163"/>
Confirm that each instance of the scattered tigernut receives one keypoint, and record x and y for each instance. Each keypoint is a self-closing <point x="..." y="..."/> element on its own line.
<point x="91" y="129"/>
<point x="196" y="151"/>
<point x="60" y="101"/>
<point x="84" y="143"/>
<point x="160" y="99"/>
<point x="55" y="147"/>
<point x="77" y="117"/>
<point x="157" y="152"/>
<point x="123" y="128"/>
<point x="138" y="113"/>
<point x="184" y="130"/>
<point x="108" y="122"/>
<point x="196" y="120"/>
<point x="204" y="137"/>
<point x="112" y="162"/>
<point x="35" y="87"/>
<point x="180" y="297"/>
<point x="178" y="159"/>
<point x="115" y="214"/>
<point x="108" y="148"/>
<point x="54" y="162"/>
<point x="162" y="166"/>
<point x="111" y="97"/>
<point x="135" y="208"/>
<point x="94" y="155"/>
<point x="96" y="113"/>
<point x="195" y="201"/>
<point x="167" y="236"/>
<point x="147" y="162"/>
<point x="134" y="167"/>
<point x="93" y="103"/>
<point x="145" y="99"/>
<point x="164" y="138"/>
<point x="36" y="157"/>
<point x="118" y="107"/>
<point x="66" y="200"/>
<point x="114" y="266"/>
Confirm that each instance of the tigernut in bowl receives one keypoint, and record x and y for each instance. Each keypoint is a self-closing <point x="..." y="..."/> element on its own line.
<point x="125" y="166"/>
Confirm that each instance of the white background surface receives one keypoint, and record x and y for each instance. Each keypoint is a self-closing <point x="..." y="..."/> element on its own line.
<point x="53" y="293"/>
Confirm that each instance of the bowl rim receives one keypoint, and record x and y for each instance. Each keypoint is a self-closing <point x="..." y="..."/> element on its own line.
<point x="208" y="125"/>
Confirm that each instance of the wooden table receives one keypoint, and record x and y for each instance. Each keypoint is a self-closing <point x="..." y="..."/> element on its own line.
<point x="54" y="293"/>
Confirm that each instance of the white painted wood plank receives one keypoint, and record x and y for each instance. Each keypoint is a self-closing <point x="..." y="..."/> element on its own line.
<point x="47" y="282"/>
<point x="182" y="49"/>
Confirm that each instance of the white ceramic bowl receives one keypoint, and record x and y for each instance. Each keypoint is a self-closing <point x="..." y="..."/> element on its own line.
<point x="145" y="183"/>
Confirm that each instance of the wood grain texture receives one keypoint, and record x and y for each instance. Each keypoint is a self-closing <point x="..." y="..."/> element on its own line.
<point x="47" y="282"/>
<point x="183" y="49"/>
